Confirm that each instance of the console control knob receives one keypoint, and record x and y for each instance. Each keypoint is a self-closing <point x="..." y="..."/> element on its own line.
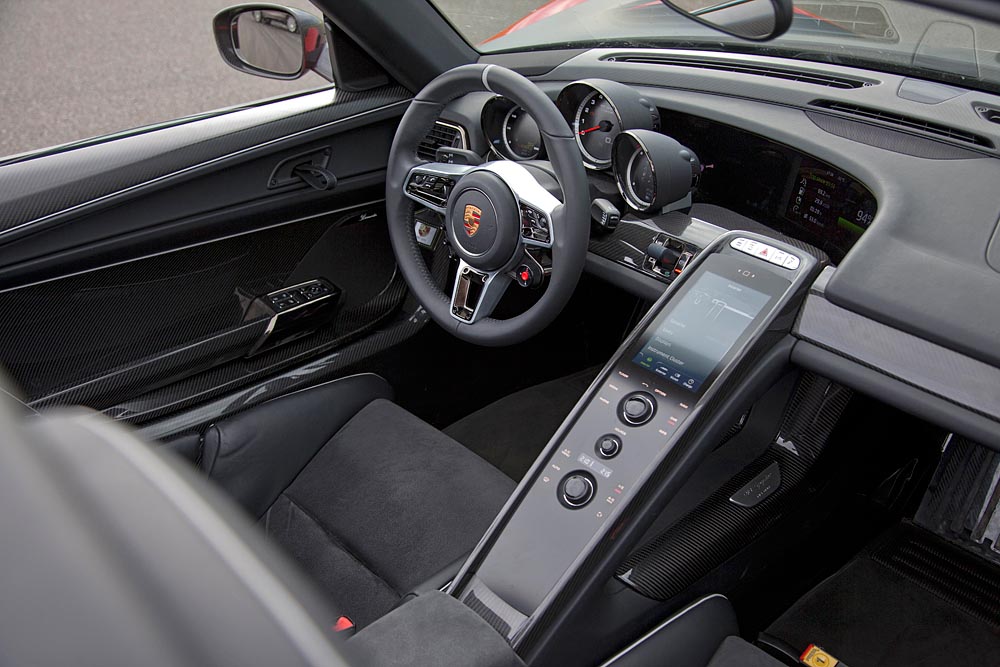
<point x="608" y="446"/>
<point x="577" y="489"/>
<point x="637" y="408"/>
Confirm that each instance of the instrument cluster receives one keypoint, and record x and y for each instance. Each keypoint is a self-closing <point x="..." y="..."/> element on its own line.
<point x="619" y="134"/>
<point x="597" y="110"/>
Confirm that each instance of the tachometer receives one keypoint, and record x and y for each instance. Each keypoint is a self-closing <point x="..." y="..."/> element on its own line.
<point x="596" y="126"/>
<point x="520" y="134"/>
<point x="598" y="111"/>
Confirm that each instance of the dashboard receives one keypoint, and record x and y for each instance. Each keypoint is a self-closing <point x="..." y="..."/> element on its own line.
<point x="894" y="176"/>
<point x="645" y="151"/>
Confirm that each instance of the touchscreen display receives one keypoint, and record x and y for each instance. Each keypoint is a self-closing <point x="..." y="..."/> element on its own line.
<point x="700" y="329"/>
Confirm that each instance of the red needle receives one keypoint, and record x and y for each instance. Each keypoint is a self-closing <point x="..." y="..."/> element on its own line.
<point x="589" y="129"/>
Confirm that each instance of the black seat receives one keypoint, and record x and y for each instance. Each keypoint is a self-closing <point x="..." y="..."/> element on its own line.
<point x="370" y="500"/>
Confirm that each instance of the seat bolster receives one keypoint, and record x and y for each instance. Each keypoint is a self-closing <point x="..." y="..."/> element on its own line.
<point x="256" y="454"/>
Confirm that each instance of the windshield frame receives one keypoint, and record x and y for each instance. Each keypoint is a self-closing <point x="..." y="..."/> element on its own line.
<point x="854" y="52"/>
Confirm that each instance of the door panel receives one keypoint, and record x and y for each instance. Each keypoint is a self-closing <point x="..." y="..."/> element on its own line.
<point x="133" y="295"/>
<point x="51" y="188"/>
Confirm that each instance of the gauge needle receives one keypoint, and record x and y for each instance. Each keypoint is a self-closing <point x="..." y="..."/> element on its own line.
<point x="603" y="126"/>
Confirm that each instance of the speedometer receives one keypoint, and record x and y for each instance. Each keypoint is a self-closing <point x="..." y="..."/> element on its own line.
<point x="640" y="179"/>
<point x="520" y="135"/>
<point x="596" y="126"/>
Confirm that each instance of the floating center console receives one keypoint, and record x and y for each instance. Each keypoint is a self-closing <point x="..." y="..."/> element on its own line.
<point x="637" y="417"/>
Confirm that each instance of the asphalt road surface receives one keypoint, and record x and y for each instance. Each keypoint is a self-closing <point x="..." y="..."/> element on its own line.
<point x="74" y="70"/>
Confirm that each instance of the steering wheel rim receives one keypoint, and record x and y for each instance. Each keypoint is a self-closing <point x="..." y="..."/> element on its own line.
<point x="568" y="220"/>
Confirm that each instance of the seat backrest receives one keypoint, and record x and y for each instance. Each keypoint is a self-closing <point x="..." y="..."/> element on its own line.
<point x="115" y="555"/>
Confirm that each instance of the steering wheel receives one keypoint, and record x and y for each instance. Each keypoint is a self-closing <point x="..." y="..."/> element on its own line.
<point x="492" y="212"/>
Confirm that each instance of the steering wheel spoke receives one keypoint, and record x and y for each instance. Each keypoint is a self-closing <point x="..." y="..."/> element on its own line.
<point x="537" y="206"/>
<point x="476" y="293"/>
<point x="430" y="184"/>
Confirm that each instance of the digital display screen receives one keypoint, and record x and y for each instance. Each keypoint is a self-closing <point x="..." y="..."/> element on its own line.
<point x="700" y="329"/>
<point x="829" y="203"/>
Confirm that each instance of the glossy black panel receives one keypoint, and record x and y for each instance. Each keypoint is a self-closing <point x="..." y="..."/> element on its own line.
<point x="106" y="335"/>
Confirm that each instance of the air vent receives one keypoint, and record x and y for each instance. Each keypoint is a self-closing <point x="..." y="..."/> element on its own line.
<point x="905" y="122"/>
<point x="442" y="134"/>
<point x="756" y="69"/>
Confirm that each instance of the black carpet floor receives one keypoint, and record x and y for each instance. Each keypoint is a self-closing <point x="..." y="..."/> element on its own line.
<point x="915" y="600"/>
<point x="511" y="432"/>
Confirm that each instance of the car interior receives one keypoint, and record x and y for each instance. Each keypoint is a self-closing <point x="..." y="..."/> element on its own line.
<point x="641" y="333"/>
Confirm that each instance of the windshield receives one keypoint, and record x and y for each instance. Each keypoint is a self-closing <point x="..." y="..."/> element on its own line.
<point x="890" y="35"/>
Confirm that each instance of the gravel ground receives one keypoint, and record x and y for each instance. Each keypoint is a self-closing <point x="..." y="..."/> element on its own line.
<point x="74" y="70"/>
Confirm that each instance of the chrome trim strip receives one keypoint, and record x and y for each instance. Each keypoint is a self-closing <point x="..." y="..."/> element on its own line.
<point x="662" y="625"/>
<point x="458" y="128"/>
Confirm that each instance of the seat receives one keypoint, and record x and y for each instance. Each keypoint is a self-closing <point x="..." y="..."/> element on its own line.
<point x="371" y="501"/>
<point x="116" y="554"/>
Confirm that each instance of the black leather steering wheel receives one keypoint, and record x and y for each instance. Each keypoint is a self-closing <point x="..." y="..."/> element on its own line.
<point x="484" y="207"/>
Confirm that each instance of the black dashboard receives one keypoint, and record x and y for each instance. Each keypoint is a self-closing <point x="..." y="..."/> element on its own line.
<point x="647" y="160"/>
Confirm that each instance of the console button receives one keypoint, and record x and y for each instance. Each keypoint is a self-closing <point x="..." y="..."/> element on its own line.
<point x="637" y="408"/>
<point x="608" y="446"/>
<point x="577" y="489"/>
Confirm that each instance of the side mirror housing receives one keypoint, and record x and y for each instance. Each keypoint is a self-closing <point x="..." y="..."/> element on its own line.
<point x="755" y="20"/>
<point x="273" y="41"/>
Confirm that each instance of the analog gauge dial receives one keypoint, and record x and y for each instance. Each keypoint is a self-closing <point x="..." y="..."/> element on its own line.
<point x="520" y="135"/>
<point x="597" y="124"/>
<point x="641" y="179"/>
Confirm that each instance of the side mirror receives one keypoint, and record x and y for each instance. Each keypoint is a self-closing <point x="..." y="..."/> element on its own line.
<point x="756" y="20"/>
<point x="273" y="41"/>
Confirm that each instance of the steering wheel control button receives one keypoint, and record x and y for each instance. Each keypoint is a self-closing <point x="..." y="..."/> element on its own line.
<point x="577" y="489"/>
<point x="525" y="276"/>
<point x="608" y="446"/>
<point x="534" y="225"/>
<point x="765" y="252"/>
<point x="637" y="408"/>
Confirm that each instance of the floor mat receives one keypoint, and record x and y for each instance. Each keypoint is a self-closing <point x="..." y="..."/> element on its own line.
<point x="511" y="432"/>
<point x="912" y="600"/>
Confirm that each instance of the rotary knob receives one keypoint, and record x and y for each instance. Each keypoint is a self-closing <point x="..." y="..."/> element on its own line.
<point x="608" y="446"/>
<point x="577" y="489"/>
<point x="637" y="408"/>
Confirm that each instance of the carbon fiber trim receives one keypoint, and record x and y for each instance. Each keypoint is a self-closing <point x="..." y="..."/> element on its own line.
<point x="947" y="571"/>
<point x="321" y="369"/>
<point x="626" y="245"/>
<point x="719" y="527"/>
<point x="69" y="332"/>
<point x="349" y="326"/>
<point x="962" y="503"/>
<point x="194" y="346"/>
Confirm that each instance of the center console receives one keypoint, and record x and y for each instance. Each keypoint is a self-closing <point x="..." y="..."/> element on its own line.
<point x="637" y="430"/>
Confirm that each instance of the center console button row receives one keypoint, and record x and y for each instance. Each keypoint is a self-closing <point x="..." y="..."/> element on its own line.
<point x="766" y="252"/>
<point x="637" y="408"/>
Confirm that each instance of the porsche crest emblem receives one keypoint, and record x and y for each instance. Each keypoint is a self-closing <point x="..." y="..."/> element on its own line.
<point x="472" y="215"/>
